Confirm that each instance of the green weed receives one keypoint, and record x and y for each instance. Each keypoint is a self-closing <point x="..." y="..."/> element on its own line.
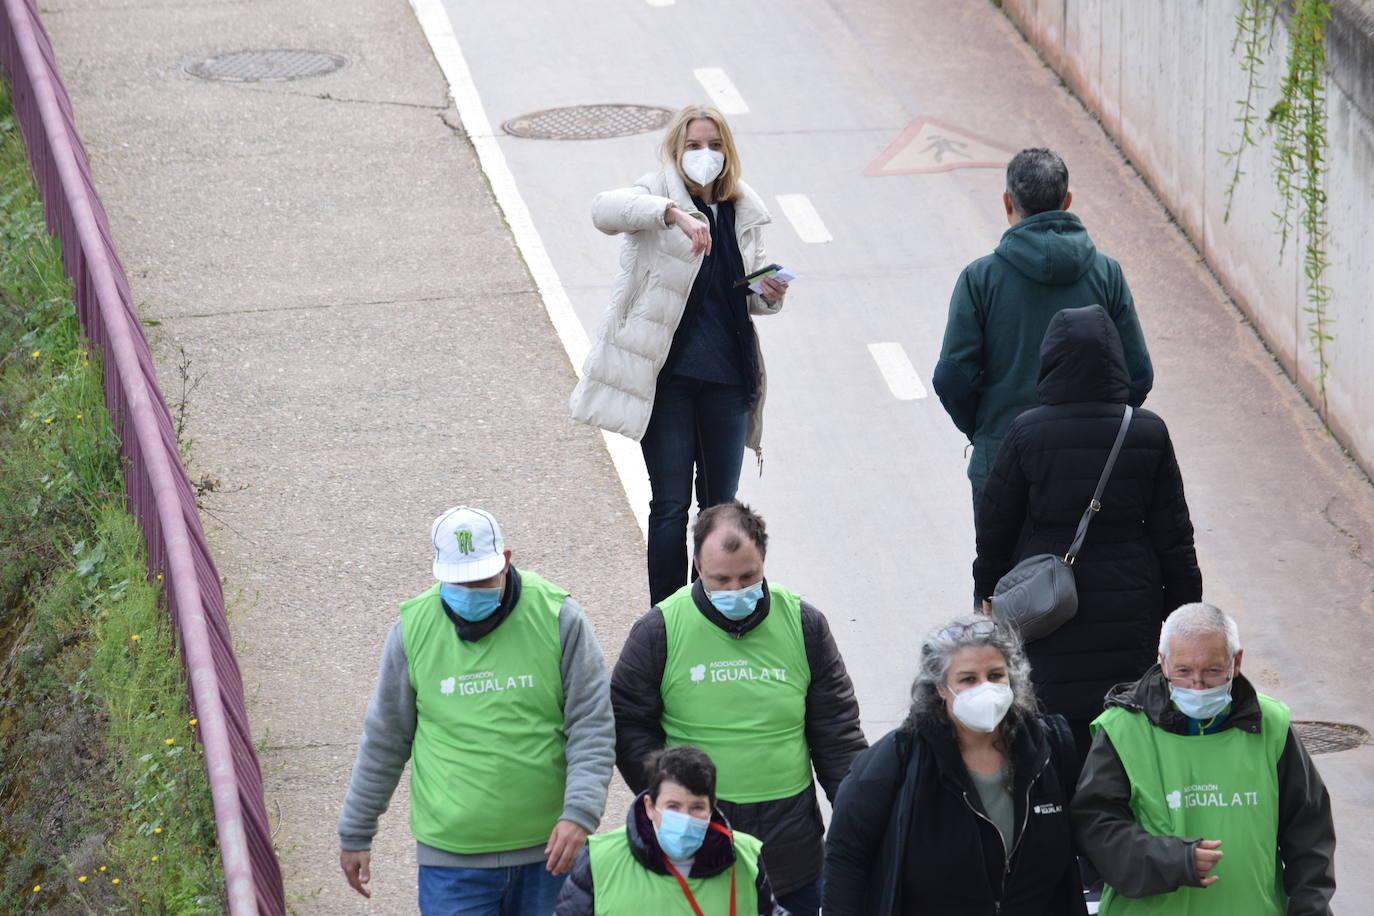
<point x="103" y="802"/>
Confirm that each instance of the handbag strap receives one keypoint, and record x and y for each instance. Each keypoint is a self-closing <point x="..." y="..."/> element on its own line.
<point x="1096" y="505"/>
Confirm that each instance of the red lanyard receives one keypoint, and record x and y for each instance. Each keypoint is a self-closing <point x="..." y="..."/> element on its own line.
<point x="682" y="883"/>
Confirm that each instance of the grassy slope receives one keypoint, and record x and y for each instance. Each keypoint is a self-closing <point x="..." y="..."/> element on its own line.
<point x="103" y="802"/>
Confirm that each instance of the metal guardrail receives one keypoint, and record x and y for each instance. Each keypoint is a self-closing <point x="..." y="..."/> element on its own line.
<point x="159" y="492"/>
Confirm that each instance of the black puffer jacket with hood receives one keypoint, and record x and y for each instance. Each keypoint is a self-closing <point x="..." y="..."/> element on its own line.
<point x="1138" y="562"/>
<point x="715" y="857"/>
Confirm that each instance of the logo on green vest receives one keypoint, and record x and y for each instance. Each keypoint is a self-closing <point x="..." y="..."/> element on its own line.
<point x="737" y="670"/>
<point x="1210" y="796"/>
<point x="464" y="540"/>
<point x="477" y="682"/>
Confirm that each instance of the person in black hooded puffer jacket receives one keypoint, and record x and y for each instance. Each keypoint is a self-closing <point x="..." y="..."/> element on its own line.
<point x="1137" y="563"/>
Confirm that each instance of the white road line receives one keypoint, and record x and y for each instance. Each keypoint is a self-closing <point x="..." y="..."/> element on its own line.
<point x="660" y="2"/>
<point x="721" y="90"/>
<point x="438" y="29"/>
<point x="804" y="218"/>
<point x="897" y="371"/>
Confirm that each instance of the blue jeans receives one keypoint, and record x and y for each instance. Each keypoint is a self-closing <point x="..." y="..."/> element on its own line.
<point x="518" y="890"/>
<point x="805" y="900"/>
<point x="696" y="427"/>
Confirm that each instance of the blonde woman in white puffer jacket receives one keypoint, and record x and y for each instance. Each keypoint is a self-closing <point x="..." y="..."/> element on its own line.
<point x="676" y="364"/>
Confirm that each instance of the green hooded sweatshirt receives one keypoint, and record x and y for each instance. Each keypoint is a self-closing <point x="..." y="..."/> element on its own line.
<point x="1001" y="306"/>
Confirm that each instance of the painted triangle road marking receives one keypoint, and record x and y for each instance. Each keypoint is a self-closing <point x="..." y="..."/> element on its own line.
<point x="928" y="145"/>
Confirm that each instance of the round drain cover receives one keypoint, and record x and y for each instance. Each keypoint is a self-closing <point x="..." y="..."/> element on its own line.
<point x="273" y="65"/>
<point x="588" y="122"/>
<point x="1329" y="737"/>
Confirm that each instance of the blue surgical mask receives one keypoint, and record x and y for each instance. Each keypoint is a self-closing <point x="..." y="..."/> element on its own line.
<point x="738" y="603"/>
<point x="471" y="604"/>
<point x="1201" y="704"/>
<point x="680" y="835"/>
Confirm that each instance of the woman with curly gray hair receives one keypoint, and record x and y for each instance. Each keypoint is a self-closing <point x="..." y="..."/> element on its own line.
<point x="964" y="808"/>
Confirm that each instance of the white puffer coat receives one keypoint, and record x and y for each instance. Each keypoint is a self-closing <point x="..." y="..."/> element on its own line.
<point x="657" y="270"/>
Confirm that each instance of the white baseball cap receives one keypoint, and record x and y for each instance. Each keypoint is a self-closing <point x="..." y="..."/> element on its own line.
<point x="468" y="545"/>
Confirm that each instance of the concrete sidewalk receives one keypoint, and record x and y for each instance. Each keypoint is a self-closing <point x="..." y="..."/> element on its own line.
<point x="369" y="349"/>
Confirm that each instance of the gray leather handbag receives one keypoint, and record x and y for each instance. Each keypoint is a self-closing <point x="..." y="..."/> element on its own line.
<point x="1038" y="595"/>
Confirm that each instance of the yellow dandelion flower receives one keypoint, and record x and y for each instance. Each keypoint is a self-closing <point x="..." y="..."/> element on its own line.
<point x="154" y="859"/>
<point x="171" y="741"/>
<point x="47" y="419"/>
<point x="114" y="880"/>
<point x="159" y="577"/>
<point x="36" y="354"/>
<point x="194" y="721"/>
<point x="134" y="637"/>
<point x="102" y="868"/>
<point x="37" y="887"/>
<point x="78" y="416"/>
<point x="157" y="830"/>
<point x="82" y="879"/>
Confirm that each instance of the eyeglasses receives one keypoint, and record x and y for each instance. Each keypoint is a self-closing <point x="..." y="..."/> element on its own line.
<point x="1205" y="679"/>
<point x="977" y="628"/>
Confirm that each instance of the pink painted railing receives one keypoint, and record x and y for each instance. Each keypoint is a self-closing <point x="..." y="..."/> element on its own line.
<point x="159" y="493"/>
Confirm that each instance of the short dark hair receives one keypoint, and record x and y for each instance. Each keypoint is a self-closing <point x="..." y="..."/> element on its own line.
<point x="685" y="765"/>
<point x="735" y="514"/>
<point x="1037" y="180"/>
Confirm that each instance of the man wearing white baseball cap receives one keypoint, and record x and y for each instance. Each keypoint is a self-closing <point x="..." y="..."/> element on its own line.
<point x="493" y="685"/>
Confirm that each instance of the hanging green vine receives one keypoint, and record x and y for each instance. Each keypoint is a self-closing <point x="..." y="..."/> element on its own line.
<point x="1297" y="121"/>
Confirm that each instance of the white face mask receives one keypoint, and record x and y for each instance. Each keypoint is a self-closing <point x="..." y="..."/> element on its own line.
<point x="983" y="707"/>
<point x="703" y="165"/>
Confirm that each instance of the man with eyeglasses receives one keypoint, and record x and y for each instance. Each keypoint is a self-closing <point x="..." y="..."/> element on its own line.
<point x="1197" y="796"/>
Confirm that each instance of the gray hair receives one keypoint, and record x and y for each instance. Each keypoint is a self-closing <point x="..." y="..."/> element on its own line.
<point x="937" y="654"/>
<point x="1037" y="180"/>
<point x="1193" y="620"/>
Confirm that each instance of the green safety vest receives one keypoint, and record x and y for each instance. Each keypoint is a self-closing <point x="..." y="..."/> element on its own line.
<point x="1222" y="786"/>
<point x="488" y="767"/>
<point x="742" y="701"/>
<point x="623" y="887"/>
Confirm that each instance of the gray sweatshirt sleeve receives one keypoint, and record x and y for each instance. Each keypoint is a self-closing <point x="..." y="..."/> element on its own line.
<point x="388" y="730"/>
<point x="588" y="723"/>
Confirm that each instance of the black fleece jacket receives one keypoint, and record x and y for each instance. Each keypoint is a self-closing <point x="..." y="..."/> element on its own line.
<point x="715" y="857"/>
<point x="909" y="832"/>
<point x="790" y="828"/>
<point x="1139" y="864"/>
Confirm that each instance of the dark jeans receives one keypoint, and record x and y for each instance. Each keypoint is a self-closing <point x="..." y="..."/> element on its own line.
<point x="805" y="900"/>
<point x="696" y="427"/>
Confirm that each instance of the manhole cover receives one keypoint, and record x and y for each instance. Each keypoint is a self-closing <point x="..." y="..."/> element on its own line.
<point x="273" y="65"/>
<point x="588" y="122"/>
<point x="1329" y="737"/>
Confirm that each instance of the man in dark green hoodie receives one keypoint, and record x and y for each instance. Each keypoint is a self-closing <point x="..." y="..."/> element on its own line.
<point x="1004" y="301"/>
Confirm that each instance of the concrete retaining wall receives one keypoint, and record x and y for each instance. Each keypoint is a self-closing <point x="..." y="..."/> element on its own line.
<point x="1164" y="80"/>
